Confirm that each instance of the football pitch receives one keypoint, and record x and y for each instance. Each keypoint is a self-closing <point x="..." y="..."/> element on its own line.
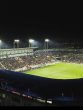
<point x="60" y="70"/>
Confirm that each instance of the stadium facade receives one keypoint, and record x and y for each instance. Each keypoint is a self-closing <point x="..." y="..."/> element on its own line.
<point x="58" y="91"/>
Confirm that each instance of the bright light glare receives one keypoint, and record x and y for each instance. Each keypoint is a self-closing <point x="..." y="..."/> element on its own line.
<point x="50" y="102"/>
<point x="31" y="40"/>
<point x="0" y="41"/>
<point x="16" y="40"/>
<point x="46" y="40"/>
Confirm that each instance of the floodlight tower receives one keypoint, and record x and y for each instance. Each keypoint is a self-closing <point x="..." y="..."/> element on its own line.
<point x="17" y="42"/>
<point x="31" y="41"/>
<point x="0" y="43"/>
<point x="46" y="43"/>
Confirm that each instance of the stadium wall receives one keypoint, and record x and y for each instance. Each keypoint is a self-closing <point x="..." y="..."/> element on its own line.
<point x="41" y="87"/>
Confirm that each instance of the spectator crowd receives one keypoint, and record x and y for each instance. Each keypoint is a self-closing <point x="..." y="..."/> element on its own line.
<point x="22" y="63"/>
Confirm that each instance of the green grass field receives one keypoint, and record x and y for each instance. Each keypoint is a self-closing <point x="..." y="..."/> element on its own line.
<point x="59" y="71"/>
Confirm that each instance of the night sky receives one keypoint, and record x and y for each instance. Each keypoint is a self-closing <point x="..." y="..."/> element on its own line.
<point x="20" y="23"/>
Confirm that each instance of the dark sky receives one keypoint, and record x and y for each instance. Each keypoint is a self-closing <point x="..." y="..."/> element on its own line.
<point x="21" y="20"/>
<point x="22" y="25"/>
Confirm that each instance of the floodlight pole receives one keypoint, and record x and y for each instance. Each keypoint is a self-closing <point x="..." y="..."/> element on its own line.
<point x="17" y="44"/>
<point x="47" y="45"/>
<point x="30" y="42"/>
<point x="0" y="43"/>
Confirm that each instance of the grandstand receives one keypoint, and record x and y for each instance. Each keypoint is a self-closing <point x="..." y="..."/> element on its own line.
<point x="15" y="52"/>
<point x="25" y="59"/>
<point x="48" y="90"/>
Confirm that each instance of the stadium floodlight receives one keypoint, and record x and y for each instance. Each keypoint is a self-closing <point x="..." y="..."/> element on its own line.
<point x="30" y="42"/>
<point x="46" y="43"/>
<point x="0" y="41"/>
<point x="47" y="40"/>
<point x="16" y="41"/>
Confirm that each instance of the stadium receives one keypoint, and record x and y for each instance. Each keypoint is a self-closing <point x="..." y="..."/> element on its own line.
<point x="46" y="76"/>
